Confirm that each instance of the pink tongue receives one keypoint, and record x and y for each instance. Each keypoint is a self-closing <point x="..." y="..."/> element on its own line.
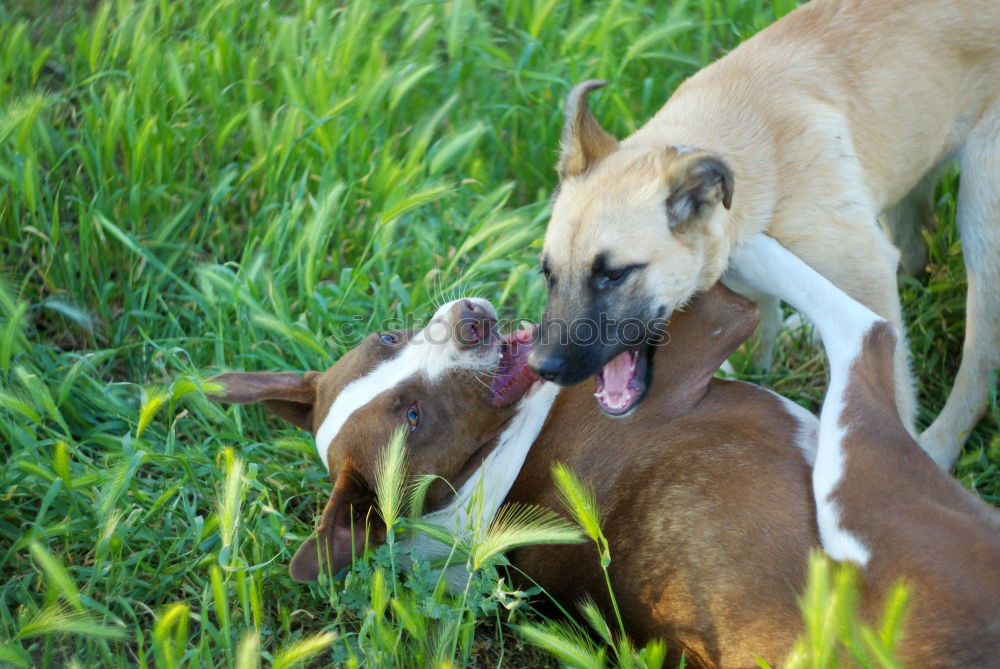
<point x="616" y="375"/>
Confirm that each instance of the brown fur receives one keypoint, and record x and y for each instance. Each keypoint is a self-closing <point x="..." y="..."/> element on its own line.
<point x="709" y="523"/>
<point x="928" y="529"/>
<point x="705" y="496"/>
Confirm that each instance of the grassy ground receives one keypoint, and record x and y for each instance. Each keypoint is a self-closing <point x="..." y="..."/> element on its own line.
<point x="248" y="185"/>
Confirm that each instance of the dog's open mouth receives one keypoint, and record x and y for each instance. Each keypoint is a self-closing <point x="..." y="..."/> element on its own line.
<point x="513" y="377"/>
<point x="622" y="382"/>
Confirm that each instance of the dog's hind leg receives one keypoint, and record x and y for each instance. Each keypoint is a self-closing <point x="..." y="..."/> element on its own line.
<point x="906" y="221"/>
<point x="978" y="221"/>
<point x="854" y="253"/>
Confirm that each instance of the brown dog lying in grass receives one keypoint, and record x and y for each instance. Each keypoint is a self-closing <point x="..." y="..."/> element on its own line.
<point x="705" y="491"/>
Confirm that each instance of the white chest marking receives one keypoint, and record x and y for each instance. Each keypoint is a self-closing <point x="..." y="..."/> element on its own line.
<point x="491" y="482"/>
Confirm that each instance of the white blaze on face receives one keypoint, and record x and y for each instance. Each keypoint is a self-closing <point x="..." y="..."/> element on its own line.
<point x="431" y="353"/>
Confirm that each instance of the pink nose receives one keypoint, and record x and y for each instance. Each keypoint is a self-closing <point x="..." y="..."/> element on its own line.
<point x="474" y="323"/>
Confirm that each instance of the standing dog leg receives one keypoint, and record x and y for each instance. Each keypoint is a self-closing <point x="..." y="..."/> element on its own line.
<point x="979" y="225"/>
<point x="906" y="221"/>
<point x="770" y="325"/>
<point x="770" y="322"/>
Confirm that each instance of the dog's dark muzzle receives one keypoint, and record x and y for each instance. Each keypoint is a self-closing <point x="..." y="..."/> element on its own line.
<point x="568" y="352"/>
<point x="564" y="365"/>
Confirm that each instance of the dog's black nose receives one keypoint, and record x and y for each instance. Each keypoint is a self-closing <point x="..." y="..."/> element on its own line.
<point x="549" y="368"/>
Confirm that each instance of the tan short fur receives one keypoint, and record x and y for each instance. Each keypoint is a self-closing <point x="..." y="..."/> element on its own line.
<point x="841" y="111"/>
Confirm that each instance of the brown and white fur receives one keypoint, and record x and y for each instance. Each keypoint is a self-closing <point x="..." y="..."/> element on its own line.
<point x="841" y="111"/>
<point x="704" y="492"/>
<point x="881" y="502"/>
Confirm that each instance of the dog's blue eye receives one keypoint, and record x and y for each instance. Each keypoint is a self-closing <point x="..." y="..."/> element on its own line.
<point x="388" y="338"/>
<point x="413" y="416"/>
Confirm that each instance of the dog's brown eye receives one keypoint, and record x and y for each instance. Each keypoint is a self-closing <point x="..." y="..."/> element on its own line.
<point x="546" y="275"/>
<point x="606" y="278"/>
<point x="612" y="276"/>
<point x="413" y="416"/>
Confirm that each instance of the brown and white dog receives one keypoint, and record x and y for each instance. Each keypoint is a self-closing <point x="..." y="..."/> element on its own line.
<point x="880" y="501"/>
<point x="839" y="112"/>
<point x="705" y="492"/>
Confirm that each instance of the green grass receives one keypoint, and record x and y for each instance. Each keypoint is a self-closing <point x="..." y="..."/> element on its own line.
<point x="187" y="187"/>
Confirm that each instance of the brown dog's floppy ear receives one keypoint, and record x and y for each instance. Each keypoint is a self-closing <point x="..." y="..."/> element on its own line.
<point x="698" y="339"/>
<point x="697" y="181"/>
<point x="584" y="141"/>
<point x="305" y="564"/>
<point x="341" y="534"/>
<point x="289" y="396"/>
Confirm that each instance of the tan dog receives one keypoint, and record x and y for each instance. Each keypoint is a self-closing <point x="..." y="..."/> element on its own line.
<point x="705" y="492"/>
<point x="880" y="501"/>
<point x="839" y="112"/>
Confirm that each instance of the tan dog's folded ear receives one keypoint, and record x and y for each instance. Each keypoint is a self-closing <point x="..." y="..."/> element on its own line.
<point x="584" y="142"/>
<point x="289" y="396"/>
<point x="697" y="182"/>
<point x="341" y="534"/>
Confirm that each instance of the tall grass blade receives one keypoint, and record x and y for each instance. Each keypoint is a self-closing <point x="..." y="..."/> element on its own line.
<point x="298" y="653"/>
<point x="570" y="646"/>
<point x="170" y="636"/>
<point x="248" y="652"/>
<point x="516" y="525"/>
<point x="231" y="499"/>
<point x="390" y="479"/>
<point x="596" y="621"/>
<point x="56" y="575"/>
<point x="578" y="499"/>
<point x="153" y="399"/>
<point x="12" y="654"/>
<point x="56" y="620"/>
<point x="894" y="614"/>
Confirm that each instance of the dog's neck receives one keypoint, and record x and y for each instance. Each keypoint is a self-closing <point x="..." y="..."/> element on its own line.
<point x="489" y="484"/>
